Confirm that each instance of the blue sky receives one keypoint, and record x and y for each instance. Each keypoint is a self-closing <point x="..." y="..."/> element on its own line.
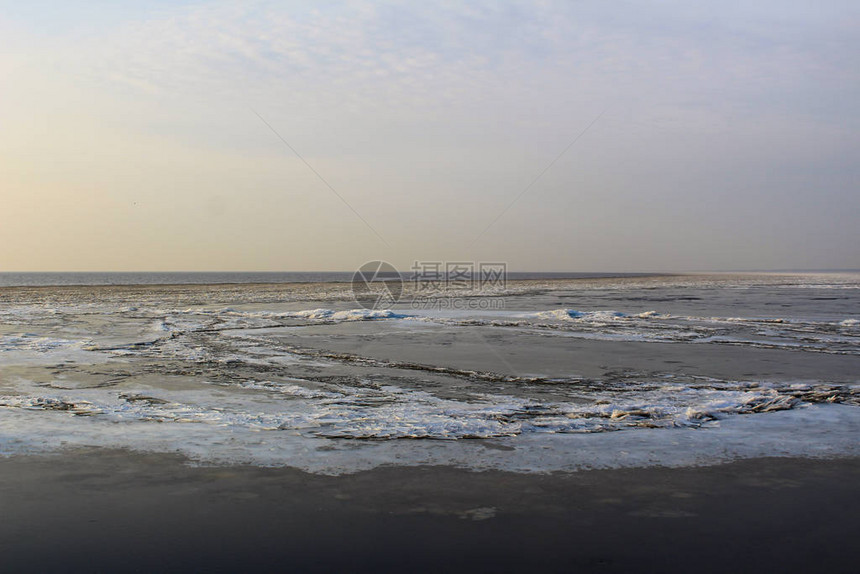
<point x="728" y="140"/>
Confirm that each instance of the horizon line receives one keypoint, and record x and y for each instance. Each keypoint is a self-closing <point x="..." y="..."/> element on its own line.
<point x="660" y="272"/>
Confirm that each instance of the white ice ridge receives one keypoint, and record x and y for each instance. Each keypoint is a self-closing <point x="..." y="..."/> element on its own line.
<point x="363" y="410"/>
<point x="298" y="430"/>
<point x="32" y="349"/>
<point x="32" y="342"/>
<point x="611" y="315"/>
<point x="350" y="315"/>
<point x="574" y="315"/>
<point x="311" y="314"/>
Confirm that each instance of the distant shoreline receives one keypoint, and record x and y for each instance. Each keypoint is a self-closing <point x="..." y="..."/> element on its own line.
<point x="179" y="279"/>
<point x="198" y="278"/>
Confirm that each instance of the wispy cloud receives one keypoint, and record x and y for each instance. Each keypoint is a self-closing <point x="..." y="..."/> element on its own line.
<point x="444" y="111"/>
<point x="429" y="54"/>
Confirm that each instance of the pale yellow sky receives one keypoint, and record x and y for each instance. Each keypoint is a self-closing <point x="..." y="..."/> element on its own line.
<point x="128" y="139"/>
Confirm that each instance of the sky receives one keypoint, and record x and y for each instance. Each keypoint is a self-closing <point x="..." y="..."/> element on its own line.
<point x="316" y="136"/>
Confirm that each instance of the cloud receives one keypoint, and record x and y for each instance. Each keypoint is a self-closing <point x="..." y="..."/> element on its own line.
<point x="442" y="112"/>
